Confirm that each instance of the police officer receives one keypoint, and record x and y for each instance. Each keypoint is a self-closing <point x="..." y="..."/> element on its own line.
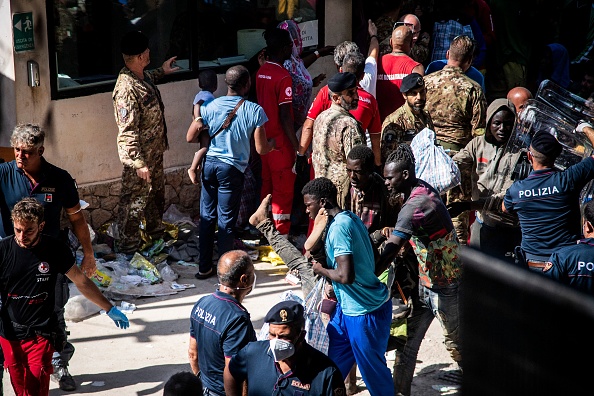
<point x="284" y="364"/>
<point x="219" y="325"/>
<point x="142" y="139"/>
<point x="547" y="201"/>
<point x="574" y="265"/>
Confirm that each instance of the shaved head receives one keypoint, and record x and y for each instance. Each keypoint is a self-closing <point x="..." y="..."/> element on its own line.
<point x="519" y="96"/>
<point x="402" y="39"/>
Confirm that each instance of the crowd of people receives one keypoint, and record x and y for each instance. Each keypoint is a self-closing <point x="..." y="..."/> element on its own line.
<point x="376" y="232"/>
<point x="338" y="167"/>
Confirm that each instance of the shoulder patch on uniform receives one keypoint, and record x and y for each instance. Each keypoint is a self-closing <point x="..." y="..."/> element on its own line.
<point x="547" y="266"/>
<point x="123" y="112"/>
<point x="289" y="91"/>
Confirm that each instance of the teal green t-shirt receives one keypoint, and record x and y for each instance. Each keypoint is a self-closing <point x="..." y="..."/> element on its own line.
<point x="348" y="235"/>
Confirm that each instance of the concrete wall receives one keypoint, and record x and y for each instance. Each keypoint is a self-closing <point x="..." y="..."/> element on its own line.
<point x="81" y="132"/>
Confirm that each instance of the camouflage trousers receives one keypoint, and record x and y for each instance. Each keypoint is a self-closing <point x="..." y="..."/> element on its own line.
<point x="140" y="201"/>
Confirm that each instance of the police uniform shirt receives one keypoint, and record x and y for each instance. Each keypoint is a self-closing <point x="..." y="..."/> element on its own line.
<point x="221" y="327"/>
<point x="574" y="266"/>
<point x="28" y="278"/>
<point x="55" y="190"/>
<point x="314" y="375"/>
<point x="547" y="204"/>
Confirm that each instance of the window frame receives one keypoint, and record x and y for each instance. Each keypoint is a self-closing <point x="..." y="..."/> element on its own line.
<point x="108" y="85"/>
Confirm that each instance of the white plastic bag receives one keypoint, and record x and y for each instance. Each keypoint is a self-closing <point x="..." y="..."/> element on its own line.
<point x="432" y="164"/>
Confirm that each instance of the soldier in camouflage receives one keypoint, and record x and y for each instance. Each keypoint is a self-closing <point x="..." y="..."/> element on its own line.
<point x="336" y="132"/>
<point x="409" y="119"/>
<point x="385" y="26"/>
<point x="458" y="107"/>
<point x="142" y="139"/>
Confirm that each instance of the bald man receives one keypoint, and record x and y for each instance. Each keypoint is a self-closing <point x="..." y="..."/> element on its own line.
<point x="413" y="22"/>
<point x="219" y="325"/>
<point x="392" y="68"/>
<point x="519" y="96"/>
<point x="420" y="46"/>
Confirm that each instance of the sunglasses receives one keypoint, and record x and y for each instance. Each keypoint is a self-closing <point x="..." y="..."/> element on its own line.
<point x="410" y="25"/>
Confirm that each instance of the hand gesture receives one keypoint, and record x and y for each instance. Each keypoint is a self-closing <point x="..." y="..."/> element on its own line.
<point x="371" y="28"/>
<point x="318" y="79"/>
<point x="119" y="318"/>
<point x="169" y="65"/>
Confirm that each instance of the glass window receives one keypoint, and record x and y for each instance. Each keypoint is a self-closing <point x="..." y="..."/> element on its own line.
<point x="84" y="35"/>
<point x="231" y="30"/>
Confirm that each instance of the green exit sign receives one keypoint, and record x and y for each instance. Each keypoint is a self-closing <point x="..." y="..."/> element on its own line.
<point x="22" y="28"/>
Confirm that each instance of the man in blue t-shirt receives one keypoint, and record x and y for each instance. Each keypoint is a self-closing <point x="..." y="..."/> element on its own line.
<point x="574" y="265"/>
<point x="219" y="325"/>
<point x="425" y="224"/>
<point x="547" y="201"/>
<point x="227" y="138"/>
<point x="360" y="325"/>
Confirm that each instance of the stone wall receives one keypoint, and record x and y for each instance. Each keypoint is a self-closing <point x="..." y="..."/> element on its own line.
<point x="103" y="198"/>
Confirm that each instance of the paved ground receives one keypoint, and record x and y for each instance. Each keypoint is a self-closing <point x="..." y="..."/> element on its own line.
<point x="137" y="361"/>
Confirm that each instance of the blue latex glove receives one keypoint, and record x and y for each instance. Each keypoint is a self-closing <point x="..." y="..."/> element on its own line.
<point x="119" y="318"/>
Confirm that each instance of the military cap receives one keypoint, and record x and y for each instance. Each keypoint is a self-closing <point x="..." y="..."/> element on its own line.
<point x="341" y="81"/>
<point x="546" y="144"/>
<point x="134" y="43"/>
<point x="412" y="81"/>
<point x="285" y="312"/>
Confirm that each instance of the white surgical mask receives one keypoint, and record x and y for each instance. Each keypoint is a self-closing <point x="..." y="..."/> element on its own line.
<point x="281" y="349"/>
<point x="254" y="284"/>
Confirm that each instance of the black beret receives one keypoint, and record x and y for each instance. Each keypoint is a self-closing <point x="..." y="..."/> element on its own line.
<point x="285" y="312"/>
<point x="546" y="144"/>
<point x="134" y="43"/>
<point x="341" y="81"/>
<point x="412" y="81"/>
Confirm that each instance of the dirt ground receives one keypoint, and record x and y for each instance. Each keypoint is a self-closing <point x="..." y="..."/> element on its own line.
<point x="138" y="361"/>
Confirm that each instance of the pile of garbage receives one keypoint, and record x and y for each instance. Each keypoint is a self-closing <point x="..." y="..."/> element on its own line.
<point x="151" y="271"/>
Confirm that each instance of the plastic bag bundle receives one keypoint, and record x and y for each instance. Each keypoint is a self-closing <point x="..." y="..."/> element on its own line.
<point x="432" y="164"/>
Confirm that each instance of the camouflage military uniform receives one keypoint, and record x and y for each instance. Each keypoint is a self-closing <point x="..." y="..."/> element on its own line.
<point x="385" y="27"/>
<point x="458" y="109"/>
<point x="335" y="133"/>
<point x="142" y="139"/>
<point x="396" y="124"/>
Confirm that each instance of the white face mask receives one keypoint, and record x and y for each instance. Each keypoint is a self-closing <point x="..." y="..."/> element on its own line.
<point x="281" y="349"/>
<point x="254" y="284"/>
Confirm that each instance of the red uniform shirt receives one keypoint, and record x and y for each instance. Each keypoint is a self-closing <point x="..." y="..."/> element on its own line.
<point x="274" y="87"/>
<point x="390" y="72"/>
<point x="367" y="113"/>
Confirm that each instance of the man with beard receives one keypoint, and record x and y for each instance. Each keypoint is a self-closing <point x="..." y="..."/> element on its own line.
<point x="484" y="158"/>
<point x="409" y="119"/>
<point x="423" y="222"/>
<point x="336" y="132"/>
